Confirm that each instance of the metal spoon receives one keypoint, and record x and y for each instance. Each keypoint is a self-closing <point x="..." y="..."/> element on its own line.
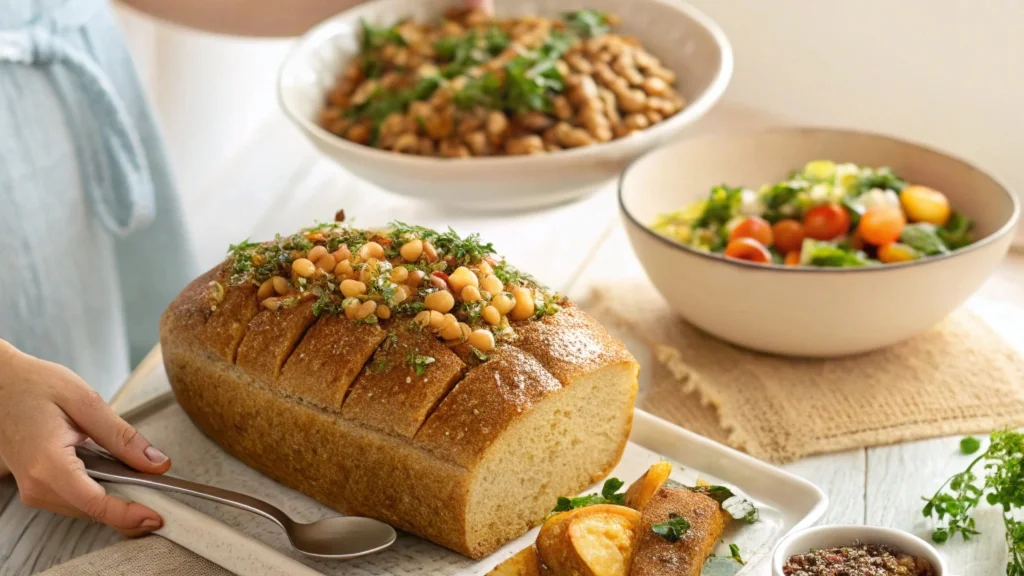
<point x="332" y="538"/>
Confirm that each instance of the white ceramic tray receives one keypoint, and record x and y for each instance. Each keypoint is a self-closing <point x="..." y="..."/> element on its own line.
<point x="247" y="545"/>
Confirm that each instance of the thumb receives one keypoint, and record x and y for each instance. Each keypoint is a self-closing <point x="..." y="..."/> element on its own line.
<point x="90" y="413"/>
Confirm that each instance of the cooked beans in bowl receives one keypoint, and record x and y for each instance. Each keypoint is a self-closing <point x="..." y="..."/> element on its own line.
<point x="473" y="85"/>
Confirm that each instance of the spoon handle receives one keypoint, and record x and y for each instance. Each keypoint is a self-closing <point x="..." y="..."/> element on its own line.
<point x="106" y="468"/>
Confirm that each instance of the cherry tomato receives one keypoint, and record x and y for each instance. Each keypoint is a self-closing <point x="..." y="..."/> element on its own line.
<point x="789" y="235"/>
<point x="753" y="227"/>
<point x="896" y="252"/>
<point x="881" y="225"/>
<point x="793" y="258"/>
<point x="923" y="204"/>
<point x="826" y="222"/>
<point x="748" y="249"/>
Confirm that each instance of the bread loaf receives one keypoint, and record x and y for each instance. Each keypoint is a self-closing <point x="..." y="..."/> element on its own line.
<point x="401" y="374"/>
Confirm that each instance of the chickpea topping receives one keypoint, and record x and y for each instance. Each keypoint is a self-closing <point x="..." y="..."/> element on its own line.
<point x="423" y="318"/>
<point x="465" y="331"/>
<point x="281" y="285"/>
<point x="411" y="250"/>
<point x="266" y="290"/>
<point x="351" y="307"/>
<point x="438" y="282"/>
<point x="524" y="307"/>
<point x="326" y="263"/>
<point x="482" y="340"/>
<point x="352" y="288"/>
<point x="316" y="253"/>
<point x="442" y="301"/>
<point x="503" y="303"/>
<point x="470" y="294"/>
<point x="371" y="250"/>
<point x="491" y="285"/>
<point x="399" y="296"/>
<point x="271" y="303"/>
<point x="485" y="268"/>
<point x="365" y="309"/>
<point x="491" y="315"/>
<point x="436" y="319"/>
<point x="431" y="253"/>
<point x="461" y="278"/>
<point x="415" y="277"/>
<point x="344" y="269"/>
<point x="303" y="267"/>
<point x="383" y="312"/>
<point x="342" y="253"/>
<point x="400" y="275"/>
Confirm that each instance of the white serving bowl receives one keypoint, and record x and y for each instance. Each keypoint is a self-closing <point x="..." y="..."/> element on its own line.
<point x="684" y="39"/>
<point x="836" y="536"/>
<point x="803" y="311"/>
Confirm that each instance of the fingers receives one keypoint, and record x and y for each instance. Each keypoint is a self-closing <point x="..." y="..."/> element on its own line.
<point x="71" y="484"/>
<point x="106" y="428"/>
<point x="4" y="470"/>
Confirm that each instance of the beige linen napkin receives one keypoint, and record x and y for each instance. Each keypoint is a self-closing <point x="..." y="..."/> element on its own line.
<point x="150" y="556"/>
<point x="958" y="378"/>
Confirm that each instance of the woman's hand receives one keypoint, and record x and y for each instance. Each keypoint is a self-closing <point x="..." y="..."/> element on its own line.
<point x="45" y="411"/>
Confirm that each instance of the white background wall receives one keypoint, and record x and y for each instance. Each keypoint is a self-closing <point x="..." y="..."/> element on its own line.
<point x="949" y="73"/>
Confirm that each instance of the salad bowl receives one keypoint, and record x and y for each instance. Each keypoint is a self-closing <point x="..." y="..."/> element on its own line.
<point x="804" y="310"/>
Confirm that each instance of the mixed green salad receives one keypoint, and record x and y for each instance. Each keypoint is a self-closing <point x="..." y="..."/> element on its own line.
<point x="826" y="215"/>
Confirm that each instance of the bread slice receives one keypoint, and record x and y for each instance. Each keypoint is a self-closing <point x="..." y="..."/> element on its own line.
<point x="469" y="458"/>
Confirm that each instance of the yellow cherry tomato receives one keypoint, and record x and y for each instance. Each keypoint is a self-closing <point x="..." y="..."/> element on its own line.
<point x="881" y="225"/>
<point x="923" y="204"/>
<point x="896" y="252"/>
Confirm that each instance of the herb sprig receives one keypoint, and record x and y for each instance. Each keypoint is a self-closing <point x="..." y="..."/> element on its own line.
<point x="673" y="528"/>
<point x="609" y="495"/>
<point x="1002" y="485"/>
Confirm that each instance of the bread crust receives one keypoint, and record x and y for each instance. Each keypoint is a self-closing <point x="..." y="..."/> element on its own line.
<point x="273" y="389"/>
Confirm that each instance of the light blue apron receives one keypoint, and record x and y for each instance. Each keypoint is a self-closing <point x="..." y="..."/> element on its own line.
<point x="92" y="241"/>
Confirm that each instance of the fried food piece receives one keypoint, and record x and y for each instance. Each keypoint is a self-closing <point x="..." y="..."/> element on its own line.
<point x="593" y="541"/>
<point x="641" y="491"/>
<point x="525" y="563"/>
<point x="657" y="555"/>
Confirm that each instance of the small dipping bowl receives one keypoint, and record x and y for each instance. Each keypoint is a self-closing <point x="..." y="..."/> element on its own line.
<point x="848" y="535"/>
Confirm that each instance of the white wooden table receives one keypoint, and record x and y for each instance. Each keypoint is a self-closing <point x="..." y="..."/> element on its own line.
<point x="279" y="184"/>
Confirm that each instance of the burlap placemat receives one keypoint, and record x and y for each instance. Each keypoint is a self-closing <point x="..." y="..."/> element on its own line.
<point x="152" y="556"/>
<point x="958" y="378"/>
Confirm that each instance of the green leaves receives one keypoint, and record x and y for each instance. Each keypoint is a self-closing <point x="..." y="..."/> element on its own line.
<point x="923" y="238"/>
<point x="737" y="506"/>
<point x="881" y="178"/>
<point x="1002" y="485"/>
<point x="608" y="495"/>
<point x="418" y="362"/>
<point x="374" y="37"/>
<point x="672" y="529"/>
<point x="820" y="253"/>
<point x="587" y="23"/>
<point x="970" y="445"/>
<point x="956" y="232"/>
<point x="721" y="204"/>
<point x="734" y="553"/>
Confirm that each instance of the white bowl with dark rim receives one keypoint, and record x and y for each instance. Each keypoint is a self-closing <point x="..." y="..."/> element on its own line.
<point x="805" y="311"/>
<point x="683" y="38"/>
<point x="838" y="536"/>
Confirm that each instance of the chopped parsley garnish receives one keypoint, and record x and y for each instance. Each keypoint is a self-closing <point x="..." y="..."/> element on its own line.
<point x="378" y="37"/>
<point x="478" y="354"/>
<point x="734" y="553"/>
<point x="327" y="302"/>
<point x="379" y="365"/>
<point x="737" y="506"/>
<point x="672" y="529"/>
<point x="609" y="495"/>
<point x="418" y="362"/>
<point x="588" y="23"/>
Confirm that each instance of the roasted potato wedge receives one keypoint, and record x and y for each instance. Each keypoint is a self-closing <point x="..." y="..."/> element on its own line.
<point x="657" y="556"/>
<point x="645" y="486"/>
<point x="525" y="563"/>
<point x="593" y="541"/>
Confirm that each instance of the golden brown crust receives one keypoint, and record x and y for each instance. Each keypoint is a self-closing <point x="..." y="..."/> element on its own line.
<point x="270" y="339"/>
<point x="483" y="404"/>
<point x="656" y="556"/>
<point x="569" y="344"/>
<point x="389" y="396"/>
<point x="327" y="361"/>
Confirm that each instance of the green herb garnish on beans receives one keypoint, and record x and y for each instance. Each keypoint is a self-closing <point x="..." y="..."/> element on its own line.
<point x="672" y="529"/>
<point x="588" y="23"/>
<point x="997" y="476"/>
